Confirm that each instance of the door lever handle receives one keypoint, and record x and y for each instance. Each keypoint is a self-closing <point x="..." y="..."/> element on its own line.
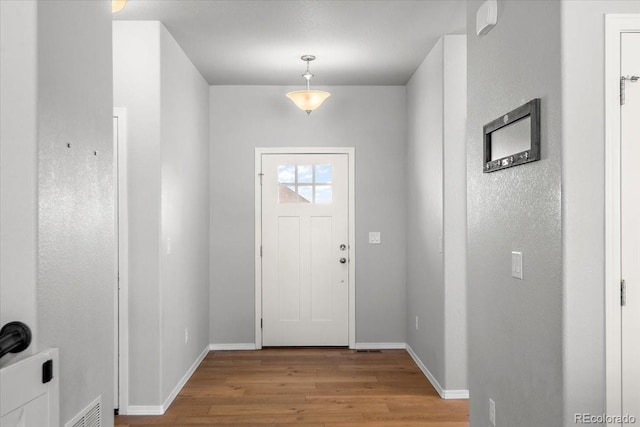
<point x="14" y="338"/>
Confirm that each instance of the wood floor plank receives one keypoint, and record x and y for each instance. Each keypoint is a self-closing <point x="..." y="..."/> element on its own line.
<point x="311" y="387"/>
<point x="400" y="424"/>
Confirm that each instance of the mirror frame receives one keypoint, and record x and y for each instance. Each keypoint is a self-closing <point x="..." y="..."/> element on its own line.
<point x="530" y="109"/>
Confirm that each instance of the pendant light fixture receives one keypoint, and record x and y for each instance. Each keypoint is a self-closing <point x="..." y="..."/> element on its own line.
<point x="117" y="5"/>
<point x="308" y="100"/>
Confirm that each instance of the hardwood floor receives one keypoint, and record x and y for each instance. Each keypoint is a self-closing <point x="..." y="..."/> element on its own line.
<point x="314" y="387"/>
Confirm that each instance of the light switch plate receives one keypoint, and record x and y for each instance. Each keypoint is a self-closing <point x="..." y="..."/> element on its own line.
<point x="374" y="237"/>
<point x="516" y="265"/>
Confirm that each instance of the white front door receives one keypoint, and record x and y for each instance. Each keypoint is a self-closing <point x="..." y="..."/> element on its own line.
<point x="630" y="225"/>
<point x="305" y="249"/>
<point x="28" y="397"/>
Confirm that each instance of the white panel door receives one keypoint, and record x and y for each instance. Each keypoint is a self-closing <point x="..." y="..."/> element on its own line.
<point x="630" y="223"/>
<point x="121" y="329"/>
<point x="305" y="250"/>
<point x="25" y="401"/>
<point x="116" y="316"/>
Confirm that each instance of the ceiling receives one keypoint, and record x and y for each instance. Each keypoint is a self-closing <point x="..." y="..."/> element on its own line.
<point x="244" y="42"/>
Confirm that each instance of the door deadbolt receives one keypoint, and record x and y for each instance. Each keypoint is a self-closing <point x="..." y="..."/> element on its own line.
<point x="343" y="247"/>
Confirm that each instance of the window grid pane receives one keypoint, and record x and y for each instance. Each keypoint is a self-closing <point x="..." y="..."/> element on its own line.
<point x="305" y="184"/>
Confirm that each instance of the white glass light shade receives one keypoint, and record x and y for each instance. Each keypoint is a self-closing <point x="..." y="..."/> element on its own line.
<point x="308" y="100"/>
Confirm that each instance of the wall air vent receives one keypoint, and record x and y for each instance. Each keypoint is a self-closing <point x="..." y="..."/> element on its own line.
<point x="91" y="416"/>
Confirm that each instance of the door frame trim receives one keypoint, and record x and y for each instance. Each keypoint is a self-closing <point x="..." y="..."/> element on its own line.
<point x="615" y="24"/>
<point x="350" y="152"/>
<point x="121" y="352"/>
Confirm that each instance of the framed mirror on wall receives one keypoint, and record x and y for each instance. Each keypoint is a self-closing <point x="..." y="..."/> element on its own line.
<point x="513" y="139"/>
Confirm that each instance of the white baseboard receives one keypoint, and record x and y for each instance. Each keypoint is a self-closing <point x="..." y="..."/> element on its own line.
<point x="232" y="346"/>
<point x="143" y="410"/>
<point x="445" y="394"/>
<point x="380" y="346"/>
<point x="160" y="410"/>
<point x="456" y="394"/>
<point x="184" y="380"/>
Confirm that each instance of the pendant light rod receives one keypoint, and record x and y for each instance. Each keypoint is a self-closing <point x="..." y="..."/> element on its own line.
<point x="307" y="75"/>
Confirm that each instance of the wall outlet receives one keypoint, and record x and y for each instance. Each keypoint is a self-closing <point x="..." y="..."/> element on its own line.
<point x="186" y="335"/>
<point x="416" y="323"/>
<point x="492" y="412"/>
<point x="374" y="237"/>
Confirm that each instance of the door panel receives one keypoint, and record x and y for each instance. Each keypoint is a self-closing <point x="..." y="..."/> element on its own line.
<point x="288" y="259"/>
<point x="305" y="287"/>
<point x="116" y="316"/>
<point x="630" y="223"/>
<point x="25" y="401"/>
<point x="34" y="413"/>
<point x="321" y="263"/>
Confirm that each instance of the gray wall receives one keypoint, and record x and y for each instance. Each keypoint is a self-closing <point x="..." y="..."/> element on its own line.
<point x="19" y="167"/>
<point x="136" y="76"/>
<point x="436" y="207"/>
<point x="372" y="119"/>
<point x="583" y="179"/>
<point x="455" y="211"/>
<point x="515" y="327"/>
<point x="184" y="273"/>
<point x="425" y="266"/>
<point x="76" y="270"/>
<point x="167" y="103"/>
